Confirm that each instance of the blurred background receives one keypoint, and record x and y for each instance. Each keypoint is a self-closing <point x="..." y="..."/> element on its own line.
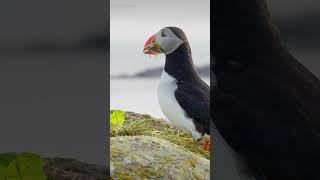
<point x="54" y="67"/>
<point x="134" y="75"/>
<point x="299" y="26"/>
<point x="54" y="78"/>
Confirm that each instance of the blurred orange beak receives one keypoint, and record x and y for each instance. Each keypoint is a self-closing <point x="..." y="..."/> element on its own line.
<point x="151" y="46"/>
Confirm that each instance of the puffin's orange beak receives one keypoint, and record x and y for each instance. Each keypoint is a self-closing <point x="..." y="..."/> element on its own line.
<point x="151" y="46"/>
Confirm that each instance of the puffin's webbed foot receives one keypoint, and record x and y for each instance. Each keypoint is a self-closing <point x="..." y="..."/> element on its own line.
<point x="206" y="145"/>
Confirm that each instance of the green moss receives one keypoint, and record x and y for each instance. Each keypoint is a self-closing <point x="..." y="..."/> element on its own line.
<point x="136" y="124"/>
<point x="125" y="175"/>
<point x="141" y="172"/>
<point x="193" y="162"/>
<point x="168" y="160"/>
<point x="149" y="173"/>
<point x="117" y="151"/>
<point x="116" y="155"/>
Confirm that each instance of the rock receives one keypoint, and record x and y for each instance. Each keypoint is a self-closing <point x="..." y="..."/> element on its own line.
<point x="145" y="157"/>
<point x="71" y="169"/>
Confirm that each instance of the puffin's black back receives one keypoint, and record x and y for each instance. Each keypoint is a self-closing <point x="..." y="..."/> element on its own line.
<point x="192" y="93"/>
<point x="265" y="104"/>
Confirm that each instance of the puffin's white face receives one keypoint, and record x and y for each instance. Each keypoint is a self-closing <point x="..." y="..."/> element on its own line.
<point x="164" y="41"/>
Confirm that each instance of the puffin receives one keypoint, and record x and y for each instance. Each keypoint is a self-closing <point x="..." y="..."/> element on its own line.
<point x="183" y="96"/>
<point x="264" y="102"/>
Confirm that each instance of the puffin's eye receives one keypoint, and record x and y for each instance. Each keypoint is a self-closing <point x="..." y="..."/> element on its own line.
<point x="162" y="34"/>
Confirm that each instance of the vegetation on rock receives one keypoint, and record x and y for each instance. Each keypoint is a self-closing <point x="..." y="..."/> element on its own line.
<point x="21" y="166"/>
<point x="140" y="124"/>
<point x="145" y="157"/>
<point x="69" y="169"/>
<point x="30" y="166"/>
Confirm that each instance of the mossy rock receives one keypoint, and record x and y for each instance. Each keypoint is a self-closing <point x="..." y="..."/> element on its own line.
<point x="145" y="157"/>
<point x="143" y="124"/>
<point x="31" y="166"/>
<point x="72" y="169"/>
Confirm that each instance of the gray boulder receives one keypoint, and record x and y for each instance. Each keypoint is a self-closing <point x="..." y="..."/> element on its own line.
<point x="145" y="157"/>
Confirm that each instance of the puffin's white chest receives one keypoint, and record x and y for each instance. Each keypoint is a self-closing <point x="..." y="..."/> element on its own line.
<point x="170" y="106"/>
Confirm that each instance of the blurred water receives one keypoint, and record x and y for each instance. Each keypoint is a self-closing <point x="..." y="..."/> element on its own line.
<point x="128" y="58"/>
<point x="138" y="95"/>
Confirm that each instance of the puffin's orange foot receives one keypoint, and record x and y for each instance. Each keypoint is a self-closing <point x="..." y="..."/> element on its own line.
<point x="206" y="145"/>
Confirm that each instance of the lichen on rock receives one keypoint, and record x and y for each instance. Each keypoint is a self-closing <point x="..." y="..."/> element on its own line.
<point x="145" y="147"/>
<point x="145" y="157"/>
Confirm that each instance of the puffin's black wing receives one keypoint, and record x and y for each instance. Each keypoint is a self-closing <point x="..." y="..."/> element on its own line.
<point x="194" y="98"/>
<point x="265" y="104"/>
<point x="268" y="113"/>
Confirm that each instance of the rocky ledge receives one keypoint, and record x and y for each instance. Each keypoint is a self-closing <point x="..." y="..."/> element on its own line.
<point x="144" y="147"/>
<point x="145" y="157"/>
<point x="71" y="169"/>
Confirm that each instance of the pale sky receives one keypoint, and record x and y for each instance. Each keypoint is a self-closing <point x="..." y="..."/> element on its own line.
<point x="136" y="19"/>
<point x="133" y="21"/>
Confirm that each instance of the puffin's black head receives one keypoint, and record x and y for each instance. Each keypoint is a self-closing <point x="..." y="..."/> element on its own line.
<point x="166" y="41"/>
<point x="172" y="42"/>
